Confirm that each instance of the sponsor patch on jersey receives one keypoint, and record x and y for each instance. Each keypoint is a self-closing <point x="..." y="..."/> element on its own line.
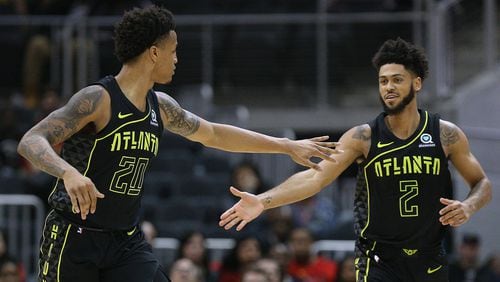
<point x="153" y="120"/>
<point x="426" y="141"/>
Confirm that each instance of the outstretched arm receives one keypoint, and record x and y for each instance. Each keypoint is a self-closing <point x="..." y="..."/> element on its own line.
<point x="37" y="146"/>
<point x="235" y="139"/>
<point x="456" y="146"/>
<point x="296" y="188"/>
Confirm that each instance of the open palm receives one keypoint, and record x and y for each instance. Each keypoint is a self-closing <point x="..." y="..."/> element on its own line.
<point x="241" y="213"/>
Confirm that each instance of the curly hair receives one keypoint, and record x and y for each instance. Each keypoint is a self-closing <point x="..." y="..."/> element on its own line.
<point x="139" y="29"/>
<point x="402" y="52"/>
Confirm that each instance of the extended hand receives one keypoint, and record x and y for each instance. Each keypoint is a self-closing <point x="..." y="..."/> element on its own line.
<point x="82" y="192"/>
<point x="455" y="213"/>
<point x="244" y="211"/>
<point x="301" y="151"/>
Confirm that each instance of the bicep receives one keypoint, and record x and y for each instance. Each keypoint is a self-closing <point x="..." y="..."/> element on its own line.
<point x="80" y="110"/>
<point x="178" y="120"/>
<point x="462" y="158"/>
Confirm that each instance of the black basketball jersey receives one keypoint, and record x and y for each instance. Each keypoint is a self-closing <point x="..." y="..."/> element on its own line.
<point x="399" y="186"/>
<point x="115" y="159"/>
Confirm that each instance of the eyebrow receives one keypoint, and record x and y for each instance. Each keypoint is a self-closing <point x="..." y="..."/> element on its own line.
<point x="393" y="75"/>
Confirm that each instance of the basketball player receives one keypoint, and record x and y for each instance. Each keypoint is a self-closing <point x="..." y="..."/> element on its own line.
<point x="402" y="202"/>
<point x="111" y="130"/>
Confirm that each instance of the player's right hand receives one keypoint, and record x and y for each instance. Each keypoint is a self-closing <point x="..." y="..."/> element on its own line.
<point x="245" y="210"/>
<point x="82" y="192"/>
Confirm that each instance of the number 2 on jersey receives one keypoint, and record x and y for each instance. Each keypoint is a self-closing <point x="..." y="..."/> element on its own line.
<point x="129" y="179"/>
<point x="409" y="188"/>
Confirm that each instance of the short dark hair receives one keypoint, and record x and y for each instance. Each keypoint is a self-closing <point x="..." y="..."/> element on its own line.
<point x="139" y="29"/>
<point x="404" y="53"/>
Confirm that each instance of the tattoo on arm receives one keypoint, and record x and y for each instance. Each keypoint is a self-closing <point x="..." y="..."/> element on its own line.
<point x="362" y="133"/>
<point x="448" y="134"/>
<point x="36" y="145"/>
<point x="178" y="120"/>
<point x="267" y="200"/>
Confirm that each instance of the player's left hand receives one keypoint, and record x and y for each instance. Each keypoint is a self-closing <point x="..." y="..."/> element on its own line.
<point x="301" y="151"/>
<point x="455" y="213"/>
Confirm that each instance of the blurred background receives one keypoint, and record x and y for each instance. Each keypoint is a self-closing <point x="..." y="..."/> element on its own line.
<point x="290" y="68"/>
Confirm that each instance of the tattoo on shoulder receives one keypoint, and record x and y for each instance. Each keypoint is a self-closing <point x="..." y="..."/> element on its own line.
<point x="178" y="120"/>
<point x="362" y="132"/>
<point x="64" y="122"/>
<point x="448" y="134"/>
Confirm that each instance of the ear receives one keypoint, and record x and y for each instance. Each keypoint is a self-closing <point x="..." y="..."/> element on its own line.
<point x="417" y="83"/>
<point x="153" y="53"/>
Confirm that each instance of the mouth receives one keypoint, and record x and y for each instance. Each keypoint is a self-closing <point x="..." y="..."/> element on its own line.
<point x="390" y="97"/>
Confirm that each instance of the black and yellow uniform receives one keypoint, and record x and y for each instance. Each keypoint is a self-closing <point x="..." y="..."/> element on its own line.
<point x="108" y="245"/>
<point x="397" y="205"/>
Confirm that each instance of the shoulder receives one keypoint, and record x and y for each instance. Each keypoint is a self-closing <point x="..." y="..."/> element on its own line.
<point x="450" y="133"/>
<point x="88" y="100"/>
<point x="361" y="132"/>
<point x="357" y="139"/>
<point x="165" y="99"/>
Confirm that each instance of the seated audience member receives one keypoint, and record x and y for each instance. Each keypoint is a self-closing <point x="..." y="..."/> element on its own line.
<point x="184" y="270"/>
<point x="304" y="264"/>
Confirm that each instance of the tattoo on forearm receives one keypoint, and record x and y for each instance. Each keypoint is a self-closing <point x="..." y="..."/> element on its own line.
<point x="36" y="146"/>
<point x="178" y="120"/>
<point x="267" y="200"/>
<point x="361" y="133"/>
<point x="449" y="135"/>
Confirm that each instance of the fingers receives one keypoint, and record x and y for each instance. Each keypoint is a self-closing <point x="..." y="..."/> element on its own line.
<point x="241" y="225"/>
<point x="94" y="195"/>
<point x="445" y="201"/>
<point x="74" y="203"/>
<point x="84" y="204"/>
<point x="328" y="144"/>
<point x="310" y="164"/>
<point x="320" y="138"/>
<point x="226" y="216"/>
<point x="236" y="192"/>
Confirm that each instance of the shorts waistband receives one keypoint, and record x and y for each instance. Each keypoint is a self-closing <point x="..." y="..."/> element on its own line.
<point x="374" y="248"/>
<point x="94" y="229"/>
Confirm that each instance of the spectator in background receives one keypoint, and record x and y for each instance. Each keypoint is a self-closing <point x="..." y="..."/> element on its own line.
<point x="347" y="271"/>
<point x="317" y="213"/>
<point x="466" y="268"/>
<point x="305" y="265"/>
<point x="246" y="251"/>
<point x="192" y="246"/>
<point x="10" y="269"/>
<point x="246" y="175"/>
<point x="493" y="265"/>
<point x="255" y="274"/>
<point x="184" y="270"/>
<point x="281" y="253"/>
<point x="150" y="232"/>
<point x="271" y="267"/>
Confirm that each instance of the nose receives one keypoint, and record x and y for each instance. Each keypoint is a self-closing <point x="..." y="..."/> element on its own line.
<point x="390" y="86"/>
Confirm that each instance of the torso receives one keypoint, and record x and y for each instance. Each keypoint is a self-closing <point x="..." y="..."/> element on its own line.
<point x="115" y="156"/>
<point x="400" y="183"/>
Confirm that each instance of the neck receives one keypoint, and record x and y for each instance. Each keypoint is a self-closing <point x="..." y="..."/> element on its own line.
<point x="135" y="82"/>
<point x="404" y="124"/>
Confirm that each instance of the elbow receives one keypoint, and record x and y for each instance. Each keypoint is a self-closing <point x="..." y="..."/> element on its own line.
<point x="489" y="191"/>
<point x="21" y="147"/>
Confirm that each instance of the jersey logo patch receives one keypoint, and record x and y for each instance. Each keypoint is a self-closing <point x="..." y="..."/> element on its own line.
<point x="122" y="116"/>
<point x="410" y="252"/>
<point x="382" y="145"/>
<point x="432" y="270"/>
<point x="153" y="121"/>
<point x="426" y="141"/>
